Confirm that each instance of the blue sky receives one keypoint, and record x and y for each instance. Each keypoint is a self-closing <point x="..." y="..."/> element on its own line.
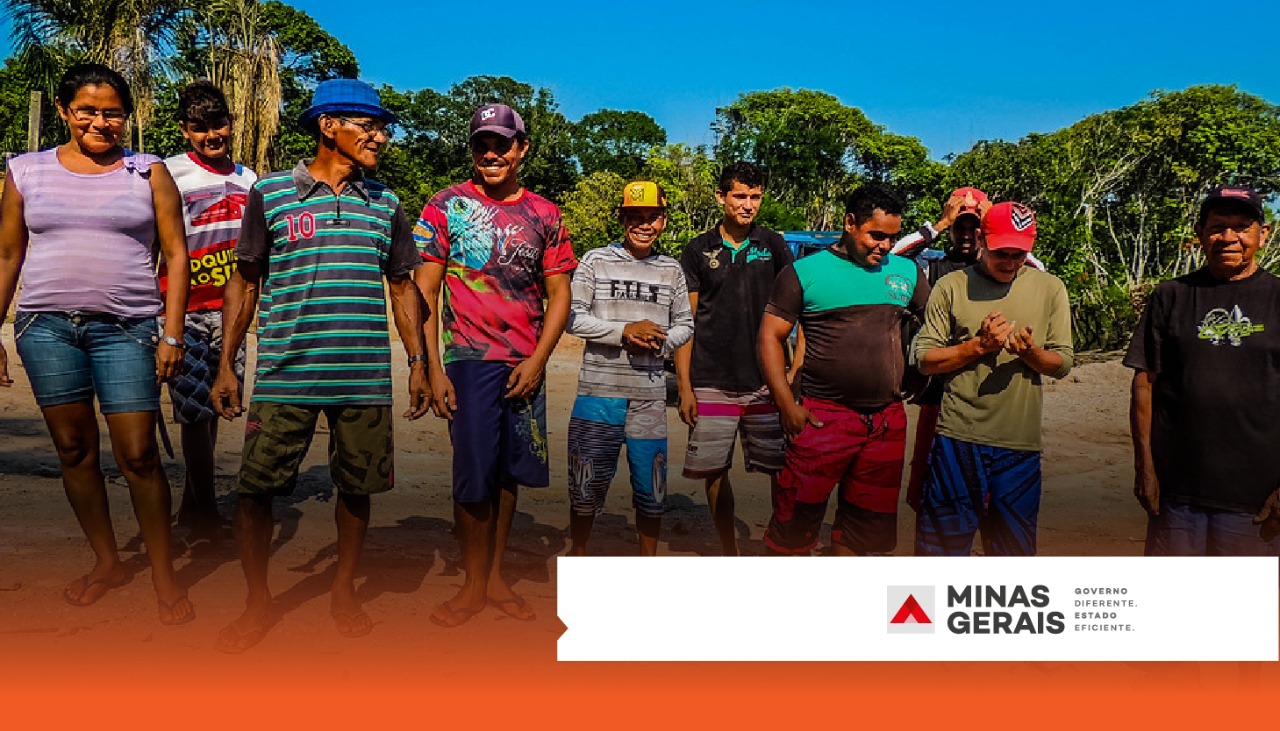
<point x="949" y="73"/>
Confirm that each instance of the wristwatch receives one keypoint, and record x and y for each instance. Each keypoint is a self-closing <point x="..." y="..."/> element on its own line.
<point x="418" y="358"/>
<point x="172" y="341"/>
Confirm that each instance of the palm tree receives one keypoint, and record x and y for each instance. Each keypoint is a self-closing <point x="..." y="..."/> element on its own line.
<point x="135" y="37"/>
<point x="244" y="61"/>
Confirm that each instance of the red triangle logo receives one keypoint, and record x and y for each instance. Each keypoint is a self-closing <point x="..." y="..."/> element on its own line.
<point x="911" y="609"/>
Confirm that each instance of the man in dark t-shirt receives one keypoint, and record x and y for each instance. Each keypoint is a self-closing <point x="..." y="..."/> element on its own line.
<point x="1206" y="392"/>
<point x="730" y="271"/>
<point x="961" y="214"/>
<point x="850" y="427"/>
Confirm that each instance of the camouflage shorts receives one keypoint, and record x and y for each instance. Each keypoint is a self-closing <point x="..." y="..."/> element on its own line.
<point x="277" y="437"/>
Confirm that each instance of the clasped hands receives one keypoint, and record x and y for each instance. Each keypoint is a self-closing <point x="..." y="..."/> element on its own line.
<point x="996" y="333"/>
<point x="643" y="338"/>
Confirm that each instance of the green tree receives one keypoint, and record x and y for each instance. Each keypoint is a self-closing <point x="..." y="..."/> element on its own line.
<point x="903" y="163"/>
<point x="164" y="137"/>
<point x="590" y="211"/>
<point x="242" y="57"/>
<point x="423" y="158"/>
<point x="816" y="149"/>
<point x="308" y="55"/>
<point x="431" y="152"/>
<point x="1116" y="194"/>
<point x="616" y="141"/>
<point x="307" y="49"/>
<point x="233" y="43"/>
<point x="779" y="216"/>
<point x="805" y="139"/>
<point x="689" y="176"/>
<point x="548" y="169"/>
<point x="134" y="37"/>
<point x="15" y="103"/>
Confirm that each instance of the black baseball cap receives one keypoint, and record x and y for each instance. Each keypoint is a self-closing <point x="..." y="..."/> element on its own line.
<point x="497" y="118"/>
<point x="1233" y="194"/>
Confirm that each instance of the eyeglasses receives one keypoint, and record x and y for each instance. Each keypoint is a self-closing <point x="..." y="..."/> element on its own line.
<point x="110" y="116"/>
<point x="371" y="127"/>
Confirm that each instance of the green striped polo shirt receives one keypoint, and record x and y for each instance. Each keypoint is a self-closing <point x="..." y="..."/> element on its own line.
<point x="322" y="320"/>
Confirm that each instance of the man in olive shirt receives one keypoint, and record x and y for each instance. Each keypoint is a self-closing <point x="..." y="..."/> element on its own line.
<point x="995" y="329"/>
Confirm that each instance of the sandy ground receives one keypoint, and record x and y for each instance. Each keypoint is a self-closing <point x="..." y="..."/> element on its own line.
<point x="412" y="560"/>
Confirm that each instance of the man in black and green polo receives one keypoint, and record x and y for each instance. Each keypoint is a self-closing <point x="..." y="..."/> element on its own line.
<point x="730" y="271"/>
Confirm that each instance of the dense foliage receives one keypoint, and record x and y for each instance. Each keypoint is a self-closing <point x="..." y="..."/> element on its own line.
<point x="1115" y="194"/>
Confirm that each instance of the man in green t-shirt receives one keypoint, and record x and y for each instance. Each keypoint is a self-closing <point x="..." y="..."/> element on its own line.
<point x="994" y="330"/>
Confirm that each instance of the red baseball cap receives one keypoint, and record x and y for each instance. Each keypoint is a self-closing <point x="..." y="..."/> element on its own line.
<point x="972" y="193"/>
<point x="1009" y="226"/>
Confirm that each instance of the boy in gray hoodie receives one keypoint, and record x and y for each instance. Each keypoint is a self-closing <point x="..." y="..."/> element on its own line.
<point x="631" y="305"/>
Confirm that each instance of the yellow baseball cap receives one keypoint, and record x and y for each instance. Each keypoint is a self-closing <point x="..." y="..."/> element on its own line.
<point x="643" y="194"/>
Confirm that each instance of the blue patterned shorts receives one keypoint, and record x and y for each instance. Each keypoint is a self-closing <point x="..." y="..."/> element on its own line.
<point x="976" y="486"/>
<point x="598" y="429"/>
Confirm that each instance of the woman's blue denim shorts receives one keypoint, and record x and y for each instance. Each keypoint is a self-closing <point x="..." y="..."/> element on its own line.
<point x="71" y="356"/>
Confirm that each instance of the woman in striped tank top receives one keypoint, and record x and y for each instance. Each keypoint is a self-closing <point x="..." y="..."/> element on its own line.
<point x="81" y="222"/>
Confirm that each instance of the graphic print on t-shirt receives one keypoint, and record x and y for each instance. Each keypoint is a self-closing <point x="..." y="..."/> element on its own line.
<point x="899" y="288"/>
<point x="622" y="289"/>
<point x="213" y="206"/>
<point x="497" y="256"/>
<point x="474" y="230"/>
<point x="1220" y="326"/>
<point x="210" y="245"/>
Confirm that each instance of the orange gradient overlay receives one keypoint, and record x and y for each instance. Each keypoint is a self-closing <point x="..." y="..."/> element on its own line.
<point x="119" y="671"/>
<point x="113" y="665"/>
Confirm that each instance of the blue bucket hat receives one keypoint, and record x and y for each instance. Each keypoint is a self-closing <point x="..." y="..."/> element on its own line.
<point x="344" y="95"/>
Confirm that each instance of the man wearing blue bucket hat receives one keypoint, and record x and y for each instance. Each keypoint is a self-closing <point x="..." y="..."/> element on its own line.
<point x="316" y="243"/>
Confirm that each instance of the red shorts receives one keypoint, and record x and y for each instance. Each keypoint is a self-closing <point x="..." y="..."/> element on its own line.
<point x="863" y="453"/>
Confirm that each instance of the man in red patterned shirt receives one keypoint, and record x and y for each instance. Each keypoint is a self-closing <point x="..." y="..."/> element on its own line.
<point x="499" y="250"/>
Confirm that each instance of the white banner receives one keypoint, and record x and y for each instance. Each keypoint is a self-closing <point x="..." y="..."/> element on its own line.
<point x="899" y="608"/>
